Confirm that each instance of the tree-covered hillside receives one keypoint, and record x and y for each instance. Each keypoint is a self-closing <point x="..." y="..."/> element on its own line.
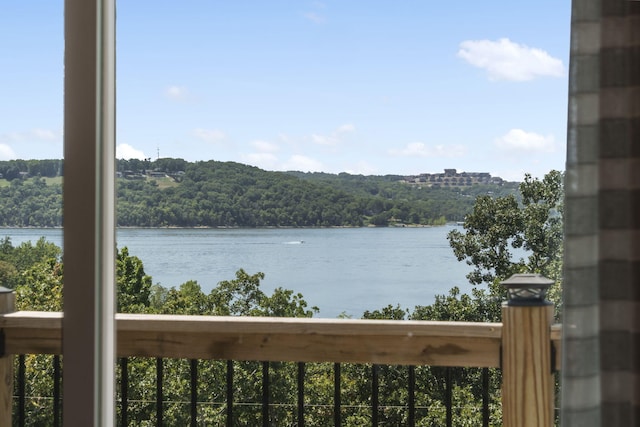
<point x="176" y="193"/>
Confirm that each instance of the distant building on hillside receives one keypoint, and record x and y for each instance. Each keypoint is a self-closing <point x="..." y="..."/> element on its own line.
<point x="156" y="174"/>
<point x="451" y="178"/>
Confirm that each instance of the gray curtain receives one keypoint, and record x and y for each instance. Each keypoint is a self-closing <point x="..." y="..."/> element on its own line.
<point x="601" y="348"/>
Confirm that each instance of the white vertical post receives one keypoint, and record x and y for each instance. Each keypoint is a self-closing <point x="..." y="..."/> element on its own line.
<point x="89" y="213"/>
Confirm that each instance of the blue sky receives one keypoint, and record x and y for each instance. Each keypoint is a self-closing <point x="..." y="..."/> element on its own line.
<point x="370" y="87"/>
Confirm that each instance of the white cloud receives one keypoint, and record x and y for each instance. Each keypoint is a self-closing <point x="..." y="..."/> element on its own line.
<point x="11" y="137"/>
<point x="513" y="175"/>
<point x="177" y="93"/>
<point x="302" y="163"/>
<point x="346" y="128"/>
<point x="283" y="137"/>
<point x="126" y="151"/>
<point x="264" y="146"/>
<point x="531" y="142"/>
<point x="6" y="152"/>
<point x="209" y="135"/>
<point x="314" y="17"/>
<point x="32" y="135"/>
<point x="334" y="137"/>
<point x="44" y="134"/>
<point x="264" y="157"/>
<point x="506" y="60"/>
<point x="324" y="139"/>
<point x="420" y="149"/>
<point x="32" y="144"/>
<point x="270" y="161"/>
<point x="362" y="168"/>
<point x="267" y="161"/>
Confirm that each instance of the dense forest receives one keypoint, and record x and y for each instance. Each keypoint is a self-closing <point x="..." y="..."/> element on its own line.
<point x="177" y="193"/>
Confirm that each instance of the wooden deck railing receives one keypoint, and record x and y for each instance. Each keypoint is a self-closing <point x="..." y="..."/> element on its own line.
<point x="453" y="344"/>
<point x="274" y="339"/>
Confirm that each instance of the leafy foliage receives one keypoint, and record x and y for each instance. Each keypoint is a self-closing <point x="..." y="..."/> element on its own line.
<point x="12" y="169"/>
<point x="30" y="203"/>
<point x="504" y="236"/>
<point x="15" y="260"/>
<point x="134" y="286"/>
<point x="173" y="192"/>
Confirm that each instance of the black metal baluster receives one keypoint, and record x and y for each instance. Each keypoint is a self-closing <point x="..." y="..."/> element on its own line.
<point x="265" y="394"/>
<point x="56" y="391"/>
<point x="21" y="390"/>
<point x="374" y="395"/>
<point x="229" y="393"/>
<point x="448" y="396"/>
<point x="194" y="392"/>
<point x="300" y="394"/>
<point x="159" y="391"/>
<point x="485" y="397"/>
<point x="336" y="395"/>
<point x="412" y="396"/>
<point x="124" y="390"/>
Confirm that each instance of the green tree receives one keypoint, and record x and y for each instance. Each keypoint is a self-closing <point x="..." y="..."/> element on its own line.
<point x="16" y="260"/>
<point x="239" y="297"/>
<point x="457" y="307"/>
<point x="187" y="299"/>
<point x="389" y="313"/>
<point x="133" y="284"/>
<point x="231" y="194"/>
<point x="27" y="254"/>
<point x="8" y="274"/>
<point x="286" y="303"/>
<point x="504" y="236"/>
<point x="39" y="287"/>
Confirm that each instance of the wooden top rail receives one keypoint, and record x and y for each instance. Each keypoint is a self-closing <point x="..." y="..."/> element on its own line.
<point x="463" y="344"/>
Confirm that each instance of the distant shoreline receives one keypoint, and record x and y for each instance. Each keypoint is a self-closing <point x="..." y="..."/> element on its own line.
<point x="270" y="227"/>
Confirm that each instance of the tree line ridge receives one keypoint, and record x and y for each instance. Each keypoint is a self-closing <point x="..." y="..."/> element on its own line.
<point x="176" y="193"/>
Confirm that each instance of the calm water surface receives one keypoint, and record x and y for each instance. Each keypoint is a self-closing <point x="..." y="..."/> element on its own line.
<point x="339" y="270"/>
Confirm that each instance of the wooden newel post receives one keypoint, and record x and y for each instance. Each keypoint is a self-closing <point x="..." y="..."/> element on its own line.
<point x="527" y="377"/>
<point x="7" y="305"/>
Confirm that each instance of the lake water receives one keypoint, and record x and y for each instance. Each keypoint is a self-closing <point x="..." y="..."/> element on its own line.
<point x="340" y="270"/>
